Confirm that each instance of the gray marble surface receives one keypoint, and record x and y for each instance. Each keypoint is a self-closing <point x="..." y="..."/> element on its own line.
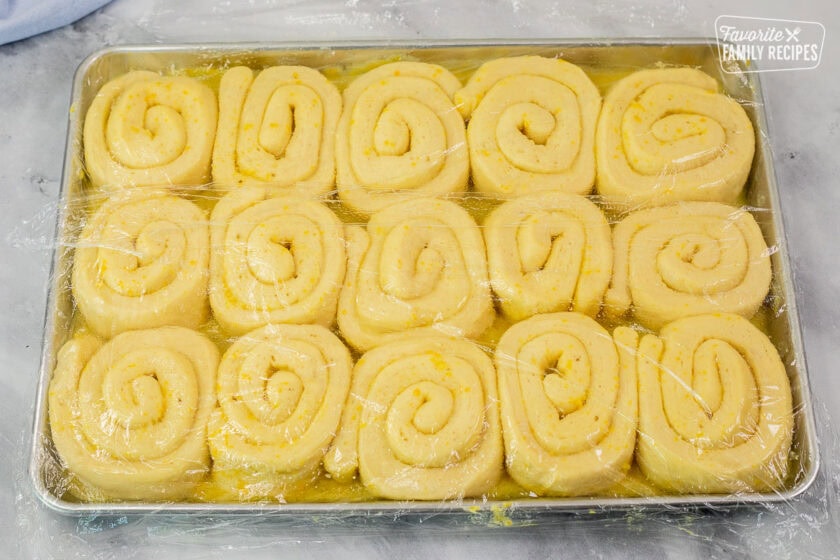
<point x="35" y="79"/>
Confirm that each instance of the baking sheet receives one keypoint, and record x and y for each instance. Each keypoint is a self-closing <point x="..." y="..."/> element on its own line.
<point x="783" y="326"/>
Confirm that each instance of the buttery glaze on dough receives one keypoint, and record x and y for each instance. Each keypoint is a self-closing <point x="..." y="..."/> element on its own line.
<point x="275" y="259"/>
<point x="141" y="261"/>
<point x="400" y="137"/>
<point x="686" y="259"/>
<point x="129" y="417"/>
<point x="531" y="126"/>
<point x="281" y="390"/>
<point x="277" y="129"/>
<point x="548" y="252"/>
<point x="668" y="134"/>
<point x="144" y="129"/>
<point x="418" y="266"/>
<point x="715" y="412"/>
<point x="422" y="421"/>
<point x="569" y="403"/>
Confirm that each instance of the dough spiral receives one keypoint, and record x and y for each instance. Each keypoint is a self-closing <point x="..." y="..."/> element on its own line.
<point x="715" y="411"/>
<point x="281" y="390"/>
<point x="569" y="403"/>
<point x="548" y="252"/>
<point x="145" y="129"/>
<point x="666" y="135"/>
<point x="531" y="126"/>
<point x="422" y="421"/>
<point x="687" y="259"/>
<point x="129" y="418"/>
<point x="418" y="266"/>
<point x="274" y="260"/>
<point x="141" y="261"/>
<point x="277" y="129"/>
<point x="400" y="137"/>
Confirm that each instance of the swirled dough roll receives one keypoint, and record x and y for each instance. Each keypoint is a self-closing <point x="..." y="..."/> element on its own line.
<point x="419" y="266"/>
<point x="548" y="252"/>
<point x="277" y="129"/>
<point x="531" y="126"/>
<point x="668" y="134"/>
<point x="687" y="259"/>
<point x="129" y="418"/>
<point x="421" y="422"/>
<point x="569" y="403"/>
<point x="400" y="137"/>
<point x="142" y="261"/>
<point x="274" y="260"/>
<point x="281" y="390"/>
<point x="715" y="411"/>
<point x="146" y="129"/>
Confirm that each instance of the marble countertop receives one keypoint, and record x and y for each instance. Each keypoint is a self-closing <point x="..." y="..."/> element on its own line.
<point x="35" y="80"/>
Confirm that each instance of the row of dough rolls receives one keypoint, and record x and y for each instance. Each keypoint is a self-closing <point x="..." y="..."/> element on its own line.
<point x="398" y="132"/>
<point x="141" y="416"/>
<point x="147" y="258"/>
<point x="150" y="413"/>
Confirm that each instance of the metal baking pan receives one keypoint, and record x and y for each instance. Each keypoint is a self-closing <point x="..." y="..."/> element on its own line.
<point x="461" y="57"/>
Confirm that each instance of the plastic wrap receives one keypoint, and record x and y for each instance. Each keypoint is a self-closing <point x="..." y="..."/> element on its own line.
<point x="643" y="344"/>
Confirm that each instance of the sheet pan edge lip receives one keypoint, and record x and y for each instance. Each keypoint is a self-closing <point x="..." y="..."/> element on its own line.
<point x="558" y="505"/>
<point x="198" y="47"/>
<point x="466" y="507"/>
<point x="34" y="468"/>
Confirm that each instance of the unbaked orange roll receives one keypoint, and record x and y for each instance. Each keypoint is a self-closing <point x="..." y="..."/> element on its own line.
<point x="569" y="403"/>
<point x="146" y="129"/>
<point x="531" y="126"/>
<point x="129" y="418"/>
<point x="274" y="260"/>
<point x="418" y="266"/>
<point x="277" y="129"/>
<point x="281" y="390"/>
<point x="548" y="252"/>
<point x="715" y="412"/>
<point x="141" y="261"/>
<point x="687" y="259"/>
<point x="400" y="137"/>
<point x="668" y="134"/>
<point x="422" y="421"/>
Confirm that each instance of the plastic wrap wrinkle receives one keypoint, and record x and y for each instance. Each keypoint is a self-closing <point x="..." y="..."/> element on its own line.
<point x="271" y="520"/>
<point x="793" y="527"/>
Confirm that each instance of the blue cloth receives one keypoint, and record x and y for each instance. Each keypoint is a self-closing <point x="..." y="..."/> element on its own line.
<point x="24" y="18"/>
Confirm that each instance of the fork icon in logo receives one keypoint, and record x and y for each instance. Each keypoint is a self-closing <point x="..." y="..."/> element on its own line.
<point x="793" y="34"/>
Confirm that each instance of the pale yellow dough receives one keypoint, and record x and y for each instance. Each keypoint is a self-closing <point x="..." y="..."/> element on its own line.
<point x="548" y="252"/>
<point x="275" y="259"/>
<point x="531" y="126"/>
<point x="281" y="390"/>
<point x="129" y="418"/>
<point x="277" y="129"/>
<point x="146" y="129"/>
<point x="715" y="412"/>
<point x="686" y="259"/>
<point x="422" y="421"/>
<point x="400" y="137"/>
<point x="668" y="134"/>
<point x="141" y="261"/>
<point x="418" y="266"/>
<point x="569" y="403"/>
